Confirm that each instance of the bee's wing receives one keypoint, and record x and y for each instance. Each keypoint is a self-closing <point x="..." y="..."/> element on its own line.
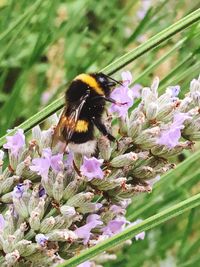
<point x="68" y="120"/>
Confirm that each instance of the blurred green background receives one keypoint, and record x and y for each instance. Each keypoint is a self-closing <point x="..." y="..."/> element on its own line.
<point x="44" y="44"/>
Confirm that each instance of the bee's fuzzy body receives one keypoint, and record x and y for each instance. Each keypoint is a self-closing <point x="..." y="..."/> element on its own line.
<point x="85" y="104"/>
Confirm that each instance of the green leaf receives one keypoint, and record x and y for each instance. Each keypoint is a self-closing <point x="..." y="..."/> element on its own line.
<point x="129" y="232"/>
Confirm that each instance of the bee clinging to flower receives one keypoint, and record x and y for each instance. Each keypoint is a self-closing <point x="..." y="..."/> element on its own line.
<point x="85" y="103"/>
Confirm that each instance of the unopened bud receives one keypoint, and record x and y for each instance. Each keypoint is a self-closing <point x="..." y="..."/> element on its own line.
<point x="124" y="160"/>
<point x="12" y="258"/>
<point x="79" y="199"/>
<point x="67" y="211"/>
<point x="71" y="189"/>
<point x="34" y="221"/>
<point x="104" y="147"/>
<point x="47" y="225"/>
<point x="151" y="111"/>
<point x="22" y="246"/>
<point x="58" y="187"/>
<point x="8" y="184"/>
<point x="62" y="235"/>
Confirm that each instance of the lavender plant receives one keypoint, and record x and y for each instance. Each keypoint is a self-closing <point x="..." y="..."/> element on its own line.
<point x="51" y="212"/>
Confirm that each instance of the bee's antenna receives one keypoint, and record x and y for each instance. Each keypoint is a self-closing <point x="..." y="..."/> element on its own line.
<point x="113" y="79"/>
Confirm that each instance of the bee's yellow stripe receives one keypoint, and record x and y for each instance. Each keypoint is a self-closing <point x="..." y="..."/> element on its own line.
<point x="81" y="126"/>
<point x="89" y="80"/>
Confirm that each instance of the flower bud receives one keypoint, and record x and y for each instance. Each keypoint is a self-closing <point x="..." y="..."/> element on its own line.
<point x="89" y="207"/>
<point x="34" y="221"/>
<point x="20" y="207"/>
<point x="34" y="199"/>
<point x="9" y="243"/>
<point x="47" y="225"/>
<point x="165" y="111"/>
<point x="147" y="138"/>
<point x="79" y="199"/>
<point x="154" y="86"/>
<point x="8" y="184"/>
<point x="62" y="235"/>
<point x="10" y="223"/>
<point x="151" y="111"/>
<point x="22" y="246"/>
<point x="58" y="187"/>
<point x="37" y="133"/>
<point x="135" y="128"/>
<point x="71" y="189"/>
<point x="123" y="125"/>
<point x="104" y="147"/>
<point x="12" y="258"/>
<point x="19" y="233"/>
<point x="59" y="221"/>
<point x="124" y="160"/>
<point x="107" y="184"/>
<point x="46" y="138"/>
<point x="30" y="248"/>
<point x="144" y="172"/>
<point x="67" y="211"/>
<point x="7" y="198"/>
<point x="122" y="145"/>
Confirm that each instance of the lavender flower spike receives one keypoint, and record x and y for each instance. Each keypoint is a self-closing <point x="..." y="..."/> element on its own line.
<point x="62" y="212"/>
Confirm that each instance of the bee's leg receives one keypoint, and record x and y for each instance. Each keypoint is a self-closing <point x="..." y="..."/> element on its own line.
<point x="111" y="100"/>
<point x="102" y="128"/>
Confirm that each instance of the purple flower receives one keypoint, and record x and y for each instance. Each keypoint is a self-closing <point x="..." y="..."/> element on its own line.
<point x="173" y="90"/>
<point x="55" y="162"/>
<point x="117" y="209"/>
<point x="84" y="232"/>
<point x="122" y="94"/>
<point x="114" y="226"/>
<point x="42" y="192"/>
<point x="136" y="90"/>
<point x="126" y="78"/>
<point x="171" y="136"/>
<point x="70" y="158"/>
<point x="42" y="165"/>
<point x="16" y="142"/>
<point x="94" y="219"/>
<point x="85" y="264"/>
<point x="18" y="191"/>
<point x="91" y="168"/>
<point x="41" y="239"/>
<point x="2" y="222"/>
<point x="140" y="235"/>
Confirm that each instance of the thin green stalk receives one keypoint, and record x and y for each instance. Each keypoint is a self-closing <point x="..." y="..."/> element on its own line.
<point x="128" y="233"/>
<point x="113" y="67"/>
<point x="194" y="70"/>
<point x="159" y="61"/>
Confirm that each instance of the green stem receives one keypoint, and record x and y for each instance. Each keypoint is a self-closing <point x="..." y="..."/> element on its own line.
<point x="113" y="67"/>
<point x="128" y="233"/>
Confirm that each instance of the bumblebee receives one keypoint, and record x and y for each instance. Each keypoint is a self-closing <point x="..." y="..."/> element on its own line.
<point x="85" y="103"/>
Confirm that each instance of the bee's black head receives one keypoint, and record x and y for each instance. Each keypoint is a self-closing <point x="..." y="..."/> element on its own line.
<point x="106" y="81"/>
